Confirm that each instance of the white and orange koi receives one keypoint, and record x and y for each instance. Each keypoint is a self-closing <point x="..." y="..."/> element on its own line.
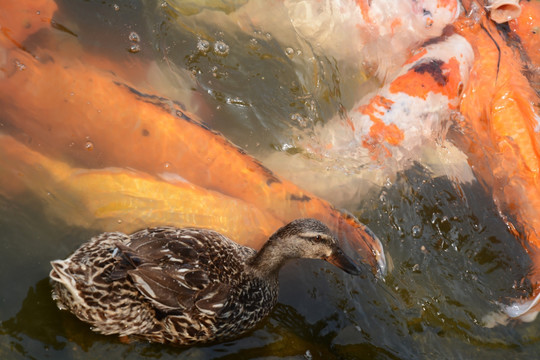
<point x="397" y="124"/>
<point x="406" y="112"/>
<point x="378" y="33"/>
<point x="387" y="130"/>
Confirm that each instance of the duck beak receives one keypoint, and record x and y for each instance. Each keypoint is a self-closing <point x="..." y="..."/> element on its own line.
<point x="362" y="245"/>
<point x="342" y="261"/>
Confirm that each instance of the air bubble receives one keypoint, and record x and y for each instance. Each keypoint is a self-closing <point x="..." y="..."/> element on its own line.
<point x="299" y="119"/>
<point x="20" y="65"/>
<point x="89" y="146"/>
<point x="203" y="46"/>
<point x="220" y="48"/>
<point x="416" y="231"/>
<point x="133" y="36"/>
<point x="236" y="101"/>
<point x="289" y="51"/>
<point x="135" y="48"/>
<point x="284" y="147"/>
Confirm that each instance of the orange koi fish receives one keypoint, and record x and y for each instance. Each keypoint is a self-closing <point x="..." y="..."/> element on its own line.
<point x="79" y="121"/>
<point x="125" y="200"/>
<point x="501" y="127"/>
<point x="475" y="70"/>
<point x="527" y="27"/>
<point x="18" y="21"/>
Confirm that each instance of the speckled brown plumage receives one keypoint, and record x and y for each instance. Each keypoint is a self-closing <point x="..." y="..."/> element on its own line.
<point x="182" y="286"/>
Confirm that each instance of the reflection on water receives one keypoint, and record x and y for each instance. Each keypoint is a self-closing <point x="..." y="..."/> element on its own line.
<point x="452" y="256"/>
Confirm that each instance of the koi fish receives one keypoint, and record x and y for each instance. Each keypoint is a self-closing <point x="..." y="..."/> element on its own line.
<point x="473" y="70"/>
<point x="402" y="122"/>
<point x="92" y="119"/>
<point x="527" y="28"/>
<point x="125" y="200"/>
<point x="17" y="22"/>
<point x="407" y="111"/>
<point x="380" y="33"/>
<point x="501" y="138"/>
<point x="502" y="11"/>
<point x="499" y="119"/>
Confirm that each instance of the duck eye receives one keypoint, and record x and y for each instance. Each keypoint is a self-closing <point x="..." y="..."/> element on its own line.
<point x="318" y="237"/>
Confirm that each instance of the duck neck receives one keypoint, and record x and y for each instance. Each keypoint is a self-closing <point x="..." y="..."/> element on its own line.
<point x="269" y="260"/>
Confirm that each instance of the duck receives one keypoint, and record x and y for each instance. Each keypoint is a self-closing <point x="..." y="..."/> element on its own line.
<point x="184" y="286"/>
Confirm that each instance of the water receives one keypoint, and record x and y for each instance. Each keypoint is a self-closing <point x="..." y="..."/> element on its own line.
<point x="453" y="257"/>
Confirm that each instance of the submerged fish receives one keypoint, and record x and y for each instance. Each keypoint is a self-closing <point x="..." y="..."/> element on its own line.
<point x="20" y="20"/>
<point x="403" y="122"/>
<point x="527" y="28"/>
<point x="500" y="126"/>
<point x="406" y="112"/>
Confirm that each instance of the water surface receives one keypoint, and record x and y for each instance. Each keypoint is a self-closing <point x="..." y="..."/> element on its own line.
<point x="453" y="257"/>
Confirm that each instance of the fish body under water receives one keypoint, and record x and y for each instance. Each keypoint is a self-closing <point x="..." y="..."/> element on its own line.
<point x="404" y="121"/>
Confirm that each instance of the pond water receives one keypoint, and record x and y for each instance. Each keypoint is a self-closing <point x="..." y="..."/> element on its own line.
<point x="253" y="79"/>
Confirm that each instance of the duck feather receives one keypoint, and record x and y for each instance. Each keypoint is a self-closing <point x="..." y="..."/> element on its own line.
<point x="181" y="286"/>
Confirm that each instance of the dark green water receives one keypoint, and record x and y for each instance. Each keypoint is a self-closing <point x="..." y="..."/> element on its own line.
<point x="453" y="256"/>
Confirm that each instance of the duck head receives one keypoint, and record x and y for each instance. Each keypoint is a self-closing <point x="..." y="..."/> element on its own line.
<point x="301" y="238"/>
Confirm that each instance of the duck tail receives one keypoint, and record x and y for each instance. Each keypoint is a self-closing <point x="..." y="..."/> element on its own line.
<point x="65" y="291"/>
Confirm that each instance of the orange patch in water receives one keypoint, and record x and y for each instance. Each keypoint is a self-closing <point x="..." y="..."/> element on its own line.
<point x="395" y="24"/>
<point x="380" y="132"/>
<point x="364" y="8"/>
<point x="448" y="4"/>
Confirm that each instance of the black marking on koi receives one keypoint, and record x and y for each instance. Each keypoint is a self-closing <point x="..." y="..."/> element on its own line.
<point x="434" y="68"/>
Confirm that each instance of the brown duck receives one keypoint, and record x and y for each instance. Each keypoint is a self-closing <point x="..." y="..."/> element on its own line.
<point x="183" y="286"/>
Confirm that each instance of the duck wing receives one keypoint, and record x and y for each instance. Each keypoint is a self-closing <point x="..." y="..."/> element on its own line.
<point x="176" y="269"/>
